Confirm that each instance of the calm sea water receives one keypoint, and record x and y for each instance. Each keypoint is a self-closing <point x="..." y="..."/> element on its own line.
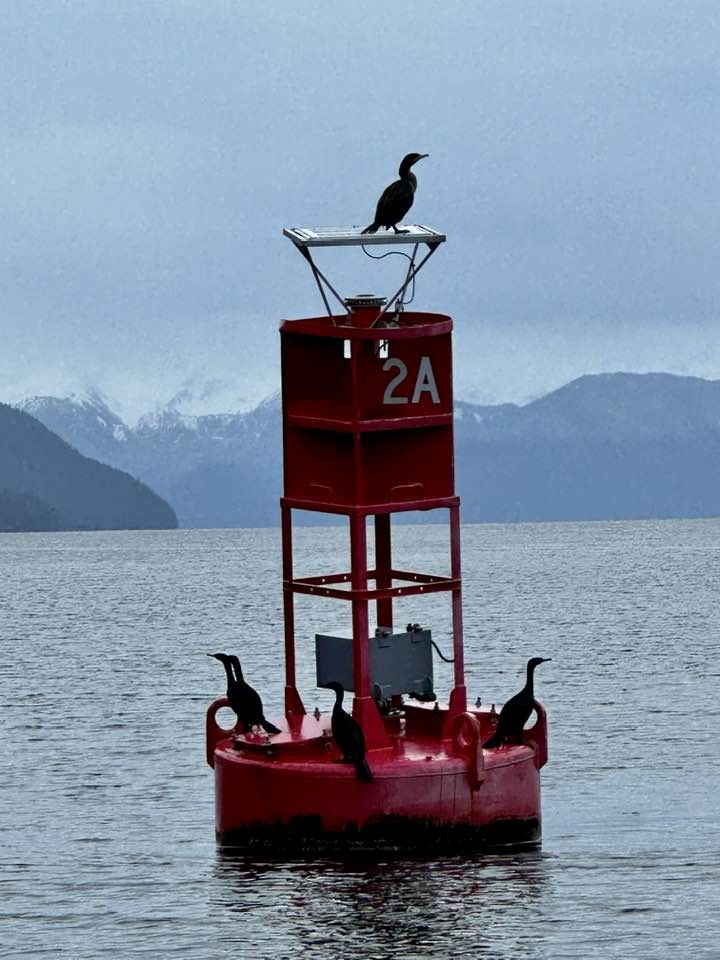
<point x="107" y="846"/>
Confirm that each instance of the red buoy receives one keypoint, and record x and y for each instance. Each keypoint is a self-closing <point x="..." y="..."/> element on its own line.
<point x="367" y="433"/>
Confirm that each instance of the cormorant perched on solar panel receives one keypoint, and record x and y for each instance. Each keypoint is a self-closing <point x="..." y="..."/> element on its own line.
<point x="348" y="735"/>
<point x="244" y="700"/>
<point x="515" y="713"/>
<point x="397" y="199"/>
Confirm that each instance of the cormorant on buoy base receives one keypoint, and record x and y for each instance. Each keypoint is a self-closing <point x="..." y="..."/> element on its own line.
<point x="244" y="700"/>
<point x="515" y="713"/>
<point x="397" y="199"/>
<point x="348" y="735"/>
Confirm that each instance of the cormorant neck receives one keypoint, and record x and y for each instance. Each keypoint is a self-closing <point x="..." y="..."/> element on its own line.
<point x="339" y="694"/>
<point x="530" y="677"/>
<point x="404" y="170"/>
<point x="238" y="670"/>
<point x="228" y="673"/>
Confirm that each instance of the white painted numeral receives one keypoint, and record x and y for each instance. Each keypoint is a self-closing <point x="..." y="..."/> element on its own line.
<point x="424" y="382"/>
<point x="388" y="396"/>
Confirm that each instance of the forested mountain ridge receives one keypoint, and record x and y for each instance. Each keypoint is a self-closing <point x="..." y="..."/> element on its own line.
<point x="45" y="484"/>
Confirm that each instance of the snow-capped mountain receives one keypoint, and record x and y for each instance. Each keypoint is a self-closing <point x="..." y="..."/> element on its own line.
<point x="83" y="420"/>
<point x="198" y="396"/>
<point x="195" y="395"/>
<point x="182" y="456"/>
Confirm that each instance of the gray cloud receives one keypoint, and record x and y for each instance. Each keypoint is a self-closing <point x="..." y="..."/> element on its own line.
<point x="151" y="152"/>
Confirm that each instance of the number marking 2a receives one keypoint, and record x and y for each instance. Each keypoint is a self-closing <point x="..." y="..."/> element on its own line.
<point x="424" y="381"/>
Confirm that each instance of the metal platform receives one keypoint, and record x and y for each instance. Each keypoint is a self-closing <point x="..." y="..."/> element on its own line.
<point x="354" y="237"/>
<point x="412" y="235"/>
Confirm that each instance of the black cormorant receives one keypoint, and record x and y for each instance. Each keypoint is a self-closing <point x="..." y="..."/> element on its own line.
<point x="515" y="713"/>
<point x="348" y="735"/>
<point x="397" y="199"/>
<point x="244" y="700"/>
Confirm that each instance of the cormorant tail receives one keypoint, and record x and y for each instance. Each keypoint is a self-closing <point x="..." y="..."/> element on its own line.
<point x="364" y="772"/>
<point x="493" y="742"/>
<point x="372" y="228"/>
<point x="269" y="727"/>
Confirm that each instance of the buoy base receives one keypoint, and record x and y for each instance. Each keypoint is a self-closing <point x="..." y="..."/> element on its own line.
<point x="304" y="836"/>
<point x="433" y="789"/>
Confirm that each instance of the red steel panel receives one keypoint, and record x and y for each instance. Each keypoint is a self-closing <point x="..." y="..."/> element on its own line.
<point x="368" y="412"/>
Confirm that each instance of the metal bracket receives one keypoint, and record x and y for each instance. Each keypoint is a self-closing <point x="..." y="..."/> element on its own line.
<point x="305" y="237"/>
<point x="412" y="272"/>
<point x="320" y="278"/>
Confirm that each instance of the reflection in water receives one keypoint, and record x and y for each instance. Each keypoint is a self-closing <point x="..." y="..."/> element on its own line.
<point x="362" y="907"/>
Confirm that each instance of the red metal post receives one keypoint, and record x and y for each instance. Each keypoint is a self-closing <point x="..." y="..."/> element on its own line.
<point x="361" y="629"/>
<point x="365" y="709"/>
<point x="458" y="697"/>
<point x="293" y="704"/>
<point x="456" y="574"/>
<point x="383" y="566"/>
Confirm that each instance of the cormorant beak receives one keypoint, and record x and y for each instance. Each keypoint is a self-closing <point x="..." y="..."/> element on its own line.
<point x="422" y="156"/>
<point x="546" y="659"/>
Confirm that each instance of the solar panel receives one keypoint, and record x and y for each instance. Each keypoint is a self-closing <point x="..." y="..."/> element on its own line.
<point x="354" y="237"/>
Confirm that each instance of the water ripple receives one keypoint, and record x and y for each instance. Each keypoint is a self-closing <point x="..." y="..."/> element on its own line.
<point x="106" y="840"/>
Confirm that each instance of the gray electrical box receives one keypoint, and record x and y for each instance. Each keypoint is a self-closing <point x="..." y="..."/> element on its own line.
<point x="400" y="663"/>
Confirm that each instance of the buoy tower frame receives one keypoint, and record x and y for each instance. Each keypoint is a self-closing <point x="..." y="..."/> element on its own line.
<point x="366" y="332"/>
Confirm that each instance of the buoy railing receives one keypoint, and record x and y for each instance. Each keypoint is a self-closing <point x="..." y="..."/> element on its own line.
<point x="466" y="737"/>
<point x="536" y="736"/>
<point x="214" y="733"/>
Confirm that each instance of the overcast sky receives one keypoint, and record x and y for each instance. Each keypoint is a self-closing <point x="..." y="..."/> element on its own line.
<point x="151" y="152"/>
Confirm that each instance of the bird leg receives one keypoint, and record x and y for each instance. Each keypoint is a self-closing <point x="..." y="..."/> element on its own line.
<point x="399" y="231"/>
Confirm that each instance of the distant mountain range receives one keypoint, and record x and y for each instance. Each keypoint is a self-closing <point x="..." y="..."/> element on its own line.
<point x="45" y="484"/>
<point x="605" y="446"/>
<point x="218" y="470"/>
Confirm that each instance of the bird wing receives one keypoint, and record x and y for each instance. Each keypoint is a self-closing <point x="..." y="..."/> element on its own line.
<point x="394" y="203"/>
<point x="348" y="735"/>
<point x="255" y="705"/>
<point x="511" y="706"/>
<point x="514" y="715"/>
<point x="247" y="703"/>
